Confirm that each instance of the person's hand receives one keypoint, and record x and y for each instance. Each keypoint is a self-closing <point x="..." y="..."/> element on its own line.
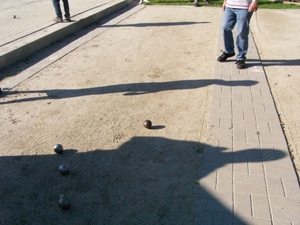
<point x="253" y="7"/>
<point x="223" y="6"/>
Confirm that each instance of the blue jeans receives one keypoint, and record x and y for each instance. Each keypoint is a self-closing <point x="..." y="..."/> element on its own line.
<point x="57" y="8"/>
<point x="242" y="18"/>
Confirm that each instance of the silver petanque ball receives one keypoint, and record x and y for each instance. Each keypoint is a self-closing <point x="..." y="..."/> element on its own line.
<point x="63" y="169"/>
<point x="58" y="148"/>
<point x="63" y="202"/>
<point x="147" y="124"/>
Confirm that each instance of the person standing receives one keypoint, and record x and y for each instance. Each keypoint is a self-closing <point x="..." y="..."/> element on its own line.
<point x="197" y="1"/>
<point x="240" y="12"/>
<point x="59" y="17"/>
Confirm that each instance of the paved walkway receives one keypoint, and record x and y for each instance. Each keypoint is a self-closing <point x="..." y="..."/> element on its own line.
<point x="29" y="25"/>
<point x="247" y="175"/>
<point x="34" y="15"/>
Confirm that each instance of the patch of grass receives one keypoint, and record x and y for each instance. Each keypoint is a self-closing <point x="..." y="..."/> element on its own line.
<point x="277" y="5"/>
<point x="266" y="4"/>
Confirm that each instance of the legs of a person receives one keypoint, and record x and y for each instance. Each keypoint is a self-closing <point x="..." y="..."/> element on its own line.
<point x="228" y="24"/>
<point x="243" y="23"/>
<point x="67" y="9"/>
<point x="57" y="8"/>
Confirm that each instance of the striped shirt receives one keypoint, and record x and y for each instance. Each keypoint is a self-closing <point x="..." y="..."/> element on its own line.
<point x="238" y="4"/>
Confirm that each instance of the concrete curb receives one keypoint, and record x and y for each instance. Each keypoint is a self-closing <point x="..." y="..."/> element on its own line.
<point x="23" y="47"/>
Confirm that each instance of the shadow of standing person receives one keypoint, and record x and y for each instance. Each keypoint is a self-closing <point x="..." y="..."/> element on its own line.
<point x="146" y="180"/>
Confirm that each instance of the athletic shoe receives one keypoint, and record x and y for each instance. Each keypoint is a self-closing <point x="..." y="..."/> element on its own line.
<point x="196" y="4"/>
<point x="240" y="64"/>
<point x="224" y="56"/>
<point x="57" y="20"/>
<point x="68" y="19"/>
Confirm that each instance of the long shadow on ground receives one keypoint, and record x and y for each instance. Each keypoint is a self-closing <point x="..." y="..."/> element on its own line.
<point x="47" y="51"/>
<point x="126" y="89"/>
<point x="147" y="180"/>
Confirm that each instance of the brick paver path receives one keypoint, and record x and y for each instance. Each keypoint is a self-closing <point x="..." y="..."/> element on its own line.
<point x="247" y="175"/>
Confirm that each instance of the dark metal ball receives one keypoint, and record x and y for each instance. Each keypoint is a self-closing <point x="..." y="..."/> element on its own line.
<point x="147" y="124"/>
<point x="63" y="169"/>
<point x="58" y="148"/>
<point x="63" y="202"/>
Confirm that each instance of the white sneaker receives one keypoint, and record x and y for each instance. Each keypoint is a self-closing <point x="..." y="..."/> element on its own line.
<point x="142" y="1"/>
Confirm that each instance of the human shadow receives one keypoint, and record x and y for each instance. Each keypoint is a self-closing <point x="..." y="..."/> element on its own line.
<point x="157" y="24"/>
<point x="128" y="89"/>
<point x="277" y="62"/>
<point x="146" y="180"/>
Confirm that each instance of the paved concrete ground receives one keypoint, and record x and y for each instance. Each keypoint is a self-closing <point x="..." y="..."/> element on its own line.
<point x="34" y="15"/>
<point x="250" y="171"/>
<point x="248" y="177"/>
<point x="28" y="25"/>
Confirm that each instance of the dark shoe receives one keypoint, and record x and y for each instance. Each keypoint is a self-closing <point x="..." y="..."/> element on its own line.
<point x="240" y="64"/>
<point x="57" y="20"/>
<point x="224" y="56"/>
<point x="196" y="4"/>
<point x="68" y="19"/>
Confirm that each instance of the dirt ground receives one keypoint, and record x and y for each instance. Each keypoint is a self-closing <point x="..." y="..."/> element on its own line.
<point x="153" y="65"/>
<point x="275" y="33"/>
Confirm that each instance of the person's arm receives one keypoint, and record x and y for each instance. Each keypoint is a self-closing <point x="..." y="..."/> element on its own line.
<point x="224" y="5"/>
<point x="253" y="6"/>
